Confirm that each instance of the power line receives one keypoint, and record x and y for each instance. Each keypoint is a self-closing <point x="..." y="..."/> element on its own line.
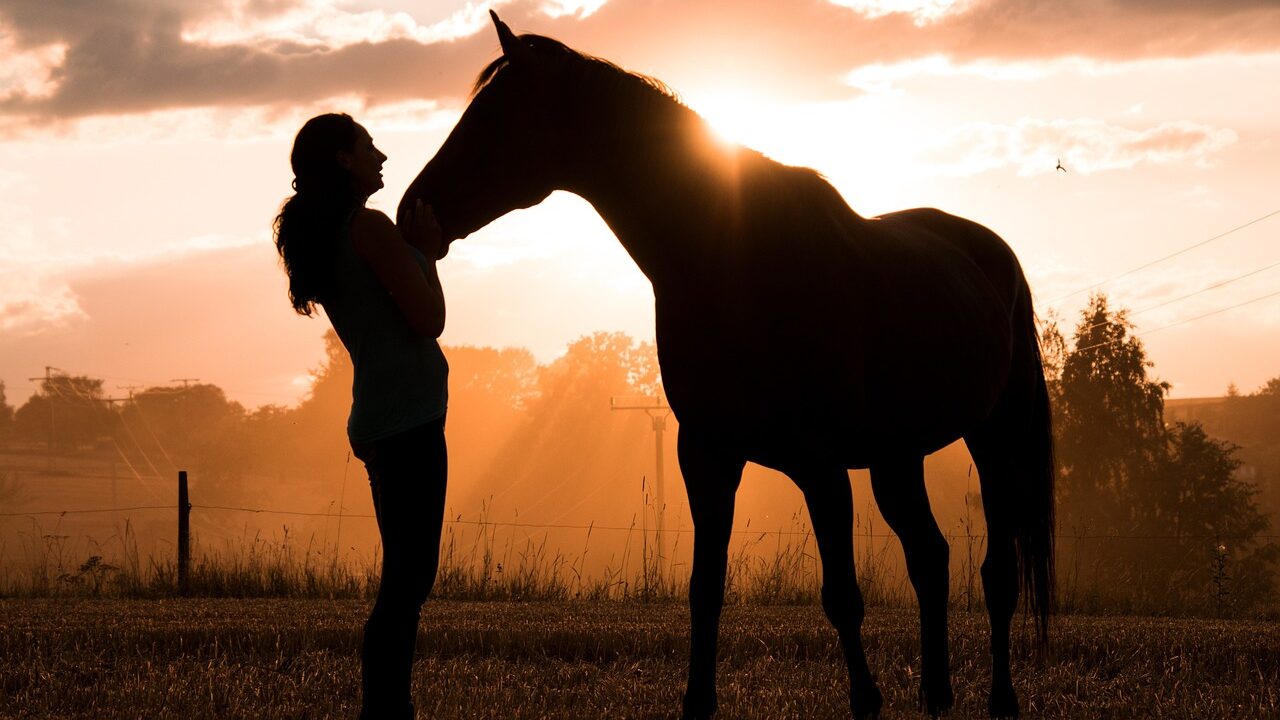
<point x="129" y="431"/>
<point x="1214" y="312"/>
<point x="157" y="384"/>
<point x="132" y="469"/>
<point x="1214" y="286"/>
<point x="81" y="512"/>
<point x="125" y="425"/>
<point x="1182" y="322"/>
<point x="276" y="512"/>
<point x="143" y="417"/>
<point x="1189" y="248"/>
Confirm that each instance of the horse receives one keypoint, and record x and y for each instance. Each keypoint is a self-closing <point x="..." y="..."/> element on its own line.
<point x="792" y="333"/>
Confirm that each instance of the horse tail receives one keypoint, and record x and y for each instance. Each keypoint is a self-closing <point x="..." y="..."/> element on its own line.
<point x="1034" y="533"/>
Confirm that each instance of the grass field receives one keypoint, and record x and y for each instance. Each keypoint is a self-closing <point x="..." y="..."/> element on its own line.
<point x="281" y="658"/>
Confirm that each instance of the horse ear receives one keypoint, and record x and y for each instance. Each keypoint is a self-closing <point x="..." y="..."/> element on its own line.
<point x="512" y="48"/>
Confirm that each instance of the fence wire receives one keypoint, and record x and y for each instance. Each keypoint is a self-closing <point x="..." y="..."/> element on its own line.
<point x="612" y="528"/>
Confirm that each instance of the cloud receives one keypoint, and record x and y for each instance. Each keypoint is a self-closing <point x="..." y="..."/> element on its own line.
<point x="28" y="73"/>
<point x="1033" y="146"/>
<point x="324" y="24"/>
<point x="577" y="8"/>
<point x="163" y="58"/>
<point x="882" y="77"/>
<point x="213" y="309"/>
<point x="39" y="295"/>
<point x="36" y="304"/>
<point x="922" y="11"/>
<point x="1115" y="29"/>
<point x="130" y="56"/>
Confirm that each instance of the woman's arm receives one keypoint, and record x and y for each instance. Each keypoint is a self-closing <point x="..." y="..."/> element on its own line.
<point x="419" y="228"/>
<point x="418" y="294"/>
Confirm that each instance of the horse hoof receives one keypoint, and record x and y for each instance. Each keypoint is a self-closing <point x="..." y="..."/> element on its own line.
<point x="698" y="708"/>
<point x="1003" y="703"/>
<point x="937" y="699"/>
<point x="866" y="703"/>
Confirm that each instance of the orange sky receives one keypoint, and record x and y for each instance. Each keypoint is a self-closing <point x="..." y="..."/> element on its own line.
<point x="144" y="150"/>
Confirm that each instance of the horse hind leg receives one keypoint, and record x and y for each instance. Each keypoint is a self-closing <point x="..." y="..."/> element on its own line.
<point x="1000" y="567"/>
<point x="900" y="494"/>
<point x="830" y="502"/>
<point x="1013" y="451"/>
<point x="999" y="582"/>
<point x="1005" y="468"/>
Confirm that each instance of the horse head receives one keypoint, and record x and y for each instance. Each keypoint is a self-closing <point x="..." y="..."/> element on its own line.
<point x="501" y="156"/>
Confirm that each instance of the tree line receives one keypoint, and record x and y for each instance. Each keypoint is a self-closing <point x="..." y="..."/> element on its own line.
<point x="1145" y="506"/>
<point x="1191" y="524"/>
<point x="512" y="421"/>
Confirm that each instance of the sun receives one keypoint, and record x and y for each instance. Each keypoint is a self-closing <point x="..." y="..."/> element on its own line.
<point x="737" y="116"/>
<point x="789" y="133"/>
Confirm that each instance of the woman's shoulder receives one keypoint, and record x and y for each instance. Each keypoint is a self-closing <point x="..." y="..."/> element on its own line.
<point x="370" y="219"/>
<point x="371" y="228"/>
<point x="376" y="238"/>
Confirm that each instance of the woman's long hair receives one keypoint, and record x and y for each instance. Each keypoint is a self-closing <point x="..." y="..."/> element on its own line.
<point x="306" y="230"/>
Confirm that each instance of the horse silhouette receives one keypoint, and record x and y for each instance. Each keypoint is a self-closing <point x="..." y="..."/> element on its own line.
<point x="792" y="333"/>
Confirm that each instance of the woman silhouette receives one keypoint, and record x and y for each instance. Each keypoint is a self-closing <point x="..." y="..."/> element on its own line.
<point x="378" y="284"/>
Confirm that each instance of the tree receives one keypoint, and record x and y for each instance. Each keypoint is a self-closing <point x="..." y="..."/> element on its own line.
<point x="1252" y="421"/>
<point x="67" y="411"/>
<point x="6" y="416"/>
<point x="1198" y="495"/>
<point x="310" y="441"/>
<point x="598" y="365"/>
<point x="183" y="428"/>
<point x="1164" y="500"/>
<point x="1109" y="421"/>
<point x="506" y="377"/>
<point x="571" y="454"/>
<point x="490" y="392"/>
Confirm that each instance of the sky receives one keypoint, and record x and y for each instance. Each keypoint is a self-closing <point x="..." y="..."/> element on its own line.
<point x="144" y="152"/>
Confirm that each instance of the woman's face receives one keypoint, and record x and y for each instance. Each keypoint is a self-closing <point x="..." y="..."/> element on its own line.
<point x="364" y="163"/>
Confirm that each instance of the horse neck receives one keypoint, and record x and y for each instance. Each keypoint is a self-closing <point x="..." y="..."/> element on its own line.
<point x="662" y="189"/>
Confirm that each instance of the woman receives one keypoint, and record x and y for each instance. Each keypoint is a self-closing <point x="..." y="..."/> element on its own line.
<point x="379" y="287"/>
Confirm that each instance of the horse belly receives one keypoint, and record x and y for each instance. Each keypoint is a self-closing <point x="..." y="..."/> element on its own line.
<point x="837" y="376"/>
<point x="925" y="390"/>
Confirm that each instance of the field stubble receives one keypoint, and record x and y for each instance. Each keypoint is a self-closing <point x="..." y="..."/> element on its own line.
<point x="288" y="658"/>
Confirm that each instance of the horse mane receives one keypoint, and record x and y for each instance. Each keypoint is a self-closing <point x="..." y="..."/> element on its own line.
<point x="652" y="97"/>
<point x="554" y="48"/>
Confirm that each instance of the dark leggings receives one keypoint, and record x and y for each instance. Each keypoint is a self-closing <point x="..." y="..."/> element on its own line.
<point x="407" y="474"/>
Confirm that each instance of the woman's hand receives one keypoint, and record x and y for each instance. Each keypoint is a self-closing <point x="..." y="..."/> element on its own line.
<point x="420" y="229"/>
<point x="414" y="286"/>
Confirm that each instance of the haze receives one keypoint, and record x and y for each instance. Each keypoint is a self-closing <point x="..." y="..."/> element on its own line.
<point x="144" y="147"/>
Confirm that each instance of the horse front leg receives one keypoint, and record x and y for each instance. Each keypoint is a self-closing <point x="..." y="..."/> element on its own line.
<point x="711" y="478"/>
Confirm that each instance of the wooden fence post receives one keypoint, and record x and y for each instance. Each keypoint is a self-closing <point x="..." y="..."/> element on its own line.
<point x="184" y="532"/>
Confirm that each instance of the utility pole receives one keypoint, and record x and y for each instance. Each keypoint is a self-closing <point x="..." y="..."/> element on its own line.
<point x="111" y="403"/>
<point x="48" y="388"/>
<point x="186" y="382"/>
<point x="657" y="409"/>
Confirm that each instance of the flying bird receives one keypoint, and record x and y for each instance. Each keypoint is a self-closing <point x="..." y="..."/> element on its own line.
<point x="1060" y="166"/>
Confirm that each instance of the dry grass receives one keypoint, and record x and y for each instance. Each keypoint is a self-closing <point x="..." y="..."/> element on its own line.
<point x="194" y="659"/>
<point x="484" y="561"/>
